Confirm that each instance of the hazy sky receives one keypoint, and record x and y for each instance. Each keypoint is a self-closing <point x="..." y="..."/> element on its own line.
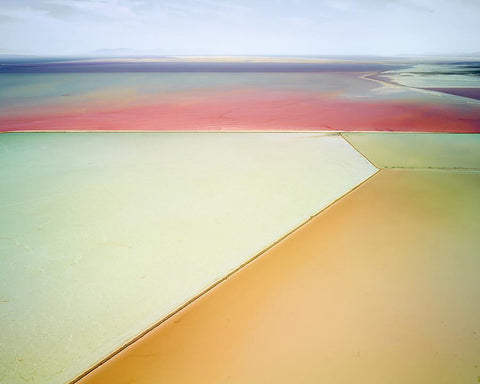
<point x="383" y="27"/>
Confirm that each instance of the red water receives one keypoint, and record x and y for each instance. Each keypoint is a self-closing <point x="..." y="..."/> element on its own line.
<point x="262" y="110"/>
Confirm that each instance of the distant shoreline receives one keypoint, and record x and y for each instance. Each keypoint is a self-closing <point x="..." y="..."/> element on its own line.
<point x="183" y="66"/>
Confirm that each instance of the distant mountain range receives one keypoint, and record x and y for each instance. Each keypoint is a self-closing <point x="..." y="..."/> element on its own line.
<point x="124" y="52"/>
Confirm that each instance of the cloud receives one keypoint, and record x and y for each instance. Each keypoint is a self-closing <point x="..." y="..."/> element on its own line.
<point x="340" y="5"/>
<point x="24" y="13"/>
<point x="228" y="6"/>
<point x="303" y="22"/>
<point x="201" y="8"/>
<point x="191" y="9"/>
<point x="105" y="8"/>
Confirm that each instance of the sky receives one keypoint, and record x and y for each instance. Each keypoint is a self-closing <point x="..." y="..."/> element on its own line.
<point x="240" y="27"/>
